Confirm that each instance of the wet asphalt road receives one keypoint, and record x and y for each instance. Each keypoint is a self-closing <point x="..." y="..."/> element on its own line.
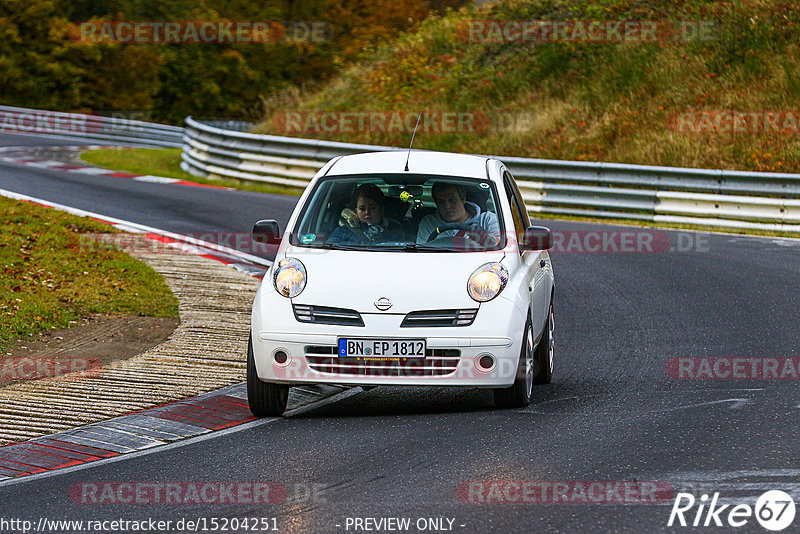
<point x="612" y="414"/>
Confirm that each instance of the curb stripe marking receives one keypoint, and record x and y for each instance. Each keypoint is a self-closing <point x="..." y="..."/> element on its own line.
<point x="162" y="235"/>
<point x="224" y="402"/>
<point x="61" y="166"/>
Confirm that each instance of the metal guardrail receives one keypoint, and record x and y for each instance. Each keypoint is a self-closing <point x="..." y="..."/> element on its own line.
<point x="724" y="199"/>
<point x="706" y="197"/>
<point x="235" y="125"/>
<point x="212" y="152"/>
<point x="88" y="127"/>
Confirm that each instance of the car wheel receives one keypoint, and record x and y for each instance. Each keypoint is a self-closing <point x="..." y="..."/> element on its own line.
<point x="543" y="358"/>
<point x="265" y="399"/>
<point x="519" y="394"/>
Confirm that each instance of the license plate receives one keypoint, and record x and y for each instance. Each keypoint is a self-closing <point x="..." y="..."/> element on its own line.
<point x="381" y="349"/>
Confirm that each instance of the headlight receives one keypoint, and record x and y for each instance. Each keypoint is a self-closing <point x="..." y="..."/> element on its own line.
<point x="289" y="277"/>
<point x="487" y="281"/>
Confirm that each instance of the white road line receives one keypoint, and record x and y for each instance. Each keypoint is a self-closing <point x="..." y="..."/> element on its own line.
<point x="155" y="179"/>
<point x="91" y="170"/>
<point x="45" y="163"/>
<point x="715" y="476"/>
<point x="737" y="403"/>
<point x="13" y="148"/>
<point x="142" y="228"/>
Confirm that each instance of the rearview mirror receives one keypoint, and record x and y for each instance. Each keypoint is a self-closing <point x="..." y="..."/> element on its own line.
<point x="537" y="238"/>
<point x="267" y="231"/>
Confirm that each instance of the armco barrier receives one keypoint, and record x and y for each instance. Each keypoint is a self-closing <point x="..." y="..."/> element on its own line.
<point x="723" y="199"/>
<point x="89" y="127"/>
<point x="213" y="152"/>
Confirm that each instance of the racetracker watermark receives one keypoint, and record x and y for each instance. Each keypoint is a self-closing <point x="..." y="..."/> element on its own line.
<point x="563" y="492"/>
<point x="626" y="241"/>
<point x="192" y="243"/>
<point x="774" y="510"/>
<point x="430" y="122"/>
<point x="47" y="122"/>
<point x="564" y="242"/>
<point x="733" y="368"/>
<point x="199" y="31"/>
<point x="177" y="493"/>
<point x="36" y="368"/>
<point x="733" y="122"/>
<point x="399" y="524"/>
<point x="122" y="119"/>
<point x="585" y="31"/>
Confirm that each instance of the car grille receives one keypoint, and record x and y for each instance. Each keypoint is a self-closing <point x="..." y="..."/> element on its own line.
<point x="326" y="315"/>
<point x="437" y="362"/>
<point x="439" y="318"/>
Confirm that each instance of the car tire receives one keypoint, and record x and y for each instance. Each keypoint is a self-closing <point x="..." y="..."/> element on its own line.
<point x="519" y="394"/>
<point x="264" y="398"/>
<point x="543" y="357"/>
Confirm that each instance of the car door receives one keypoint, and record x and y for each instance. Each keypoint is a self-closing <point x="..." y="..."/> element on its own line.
<point x="531" y="259"/>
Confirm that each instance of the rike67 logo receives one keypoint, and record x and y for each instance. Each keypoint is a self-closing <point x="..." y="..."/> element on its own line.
<point x="774" y="510"/>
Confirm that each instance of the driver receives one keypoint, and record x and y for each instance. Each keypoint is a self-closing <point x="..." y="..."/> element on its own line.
<point x="367" y="225"/>
<point x="452" y="206"/>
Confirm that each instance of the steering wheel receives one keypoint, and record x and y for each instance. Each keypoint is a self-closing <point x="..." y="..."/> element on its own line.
<point x="348" y="218"/>
<point x="482" y="235"/>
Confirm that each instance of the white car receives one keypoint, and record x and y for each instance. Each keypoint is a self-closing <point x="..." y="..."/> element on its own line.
<point x="383" y="277"/>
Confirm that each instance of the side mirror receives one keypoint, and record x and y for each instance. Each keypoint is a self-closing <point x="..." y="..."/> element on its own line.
<point x="267" y="231"/>
<point x="537" y="238"/>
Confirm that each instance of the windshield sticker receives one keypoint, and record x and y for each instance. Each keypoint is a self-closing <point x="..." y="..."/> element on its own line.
<point x="485" y="186"/>
<point x="308" y="238"/>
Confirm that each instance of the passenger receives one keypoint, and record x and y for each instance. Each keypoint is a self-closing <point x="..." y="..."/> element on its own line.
<point x="452" y="206"/>
<point x="367" y="225"/>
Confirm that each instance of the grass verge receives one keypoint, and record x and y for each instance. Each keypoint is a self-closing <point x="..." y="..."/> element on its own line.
<point x="50" y="279"/>
<point x="167" y="162"/>
<point x="642" y="101"/>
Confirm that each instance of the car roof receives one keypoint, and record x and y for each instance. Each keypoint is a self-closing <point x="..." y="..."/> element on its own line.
<point x="420" y="162"/>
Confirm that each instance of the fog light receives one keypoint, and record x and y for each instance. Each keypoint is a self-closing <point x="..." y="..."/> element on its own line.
<point x="486" y="362"/>
<point x="280" y="357"/>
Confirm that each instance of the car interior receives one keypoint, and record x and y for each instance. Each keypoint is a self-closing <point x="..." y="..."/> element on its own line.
<point x="416" y="204"/>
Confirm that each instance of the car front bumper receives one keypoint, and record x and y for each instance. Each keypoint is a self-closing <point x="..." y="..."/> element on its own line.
<point x="452" y="359"/>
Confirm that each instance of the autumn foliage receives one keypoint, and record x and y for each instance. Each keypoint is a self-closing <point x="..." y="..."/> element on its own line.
<point x="44" y="66"/>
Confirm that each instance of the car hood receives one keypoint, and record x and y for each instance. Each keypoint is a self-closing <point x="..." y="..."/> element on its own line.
<point x="410" y="280"/>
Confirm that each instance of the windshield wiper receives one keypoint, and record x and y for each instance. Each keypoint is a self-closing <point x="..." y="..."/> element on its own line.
<point x="337" y="246"/>
<point x="416" y="247"/>
<point x="408" y="247"/>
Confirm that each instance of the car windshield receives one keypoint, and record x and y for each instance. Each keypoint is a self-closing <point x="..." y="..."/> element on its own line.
<point x="401" y="212"/>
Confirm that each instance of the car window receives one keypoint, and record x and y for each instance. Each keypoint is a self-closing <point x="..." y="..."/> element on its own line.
<point x="526" y="220"/>
<point x="518" y="213"/>
<point x="401" y="212"/>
